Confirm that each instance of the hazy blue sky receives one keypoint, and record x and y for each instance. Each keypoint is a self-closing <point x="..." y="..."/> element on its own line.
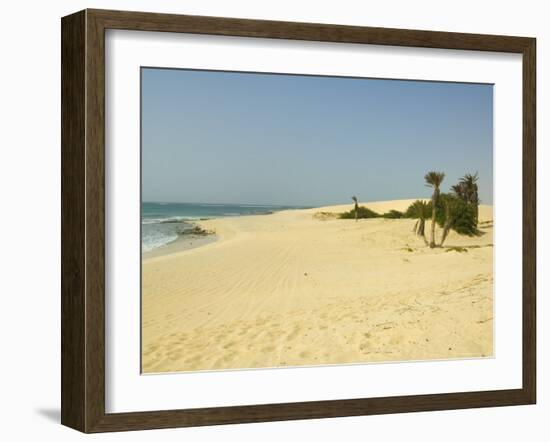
<point x="218" y="137"/>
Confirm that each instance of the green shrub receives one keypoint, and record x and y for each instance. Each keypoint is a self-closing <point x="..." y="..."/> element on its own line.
<point x="462" y="215"/>
<point x="457" y="249"/>
<point x="393" y="214"/>
<point x="419" y="209"/>
<point x="362" y="212"/>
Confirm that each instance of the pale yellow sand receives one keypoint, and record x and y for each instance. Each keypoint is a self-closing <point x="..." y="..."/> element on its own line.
<point x="302" y="288"/>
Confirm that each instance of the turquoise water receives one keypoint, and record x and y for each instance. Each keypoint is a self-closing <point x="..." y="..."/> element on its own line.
<point x="162" y="223"/>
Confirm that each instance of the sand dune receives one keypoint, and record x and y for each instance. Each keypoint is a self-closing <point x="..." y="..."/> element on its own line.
<point x="300" y="288"/>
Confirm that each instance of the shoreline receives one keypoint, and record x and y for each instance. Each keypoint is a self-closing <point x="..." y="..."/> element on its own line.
<point x="190" y="241"/>
<point x="182" y="243"/>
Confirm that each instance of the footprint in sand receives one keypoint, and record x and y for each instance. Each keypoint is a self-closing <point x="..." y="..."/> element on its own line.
<point x="193" y="360"/>
<point x="176" y="356"/>
<point x="293" y="334"/>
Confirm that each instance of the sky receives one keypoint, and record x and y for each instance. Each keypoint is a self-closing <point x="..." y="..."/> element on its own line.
<point x="247" y="138"/>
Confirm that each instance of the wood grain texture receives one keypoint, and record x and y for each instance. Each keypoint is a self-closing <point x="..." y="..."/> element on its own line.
<point x="73" y="103"/>
<point x="95" y="222"/>
<point x="529" y="221"/>
<point x="83" y="220"/>
<point x="144" y="21"/>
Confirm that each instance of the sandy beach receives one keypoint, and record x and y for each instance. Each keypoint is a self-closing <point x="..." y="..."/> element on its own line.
<point x="300" y="287"/>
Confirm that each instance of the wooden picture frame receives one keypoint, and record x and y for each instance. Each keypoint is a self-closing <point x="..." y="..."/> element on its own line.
<point x="83" y="220"/>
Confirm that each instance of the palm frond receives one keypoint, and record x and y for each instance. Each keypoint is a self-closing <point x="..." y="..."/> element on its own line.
<point x="434" y="179"/>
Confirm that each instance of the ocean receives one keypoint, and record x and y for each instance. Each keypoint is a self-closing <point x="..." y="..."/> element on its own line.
<point x="162" y="223"/>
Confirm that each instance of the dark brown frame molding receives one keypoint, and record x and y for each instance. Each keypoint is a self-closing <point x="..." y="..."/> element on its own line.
<point x="83" y="216"/>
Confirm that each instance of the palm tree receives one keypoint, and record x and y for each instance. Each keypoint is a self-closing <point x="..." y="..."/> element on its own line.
<point x="448" y="201"/>
<point x="421" y="210"/>
<point x="354" y="198"/>
<point x="434" y="179"/>
<point x="470" y="191"/>
<point x="459" y="190"/>
<point x="454" y="213"/>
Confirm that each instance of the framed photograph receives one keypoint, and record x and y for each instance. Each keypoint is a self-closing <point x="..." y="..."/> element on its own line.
<point x="268" y="221"/>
